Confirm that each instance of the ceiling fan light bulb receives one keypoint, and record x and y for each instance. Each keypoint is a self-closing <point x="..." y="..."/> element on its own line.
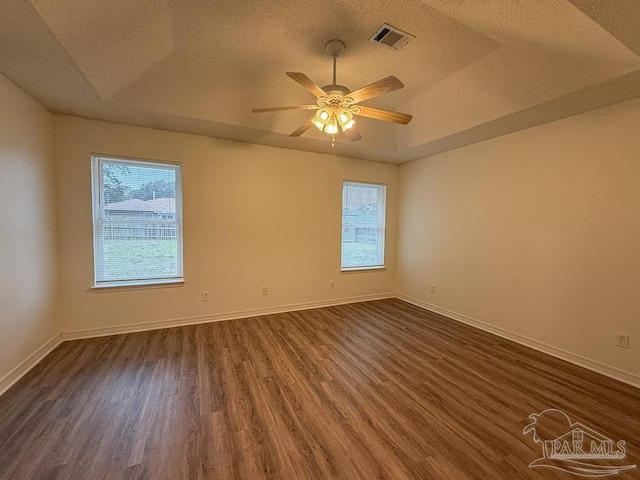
<point x="319" y="125"/>
<point x="331" y="129"/>
<point x="323" y="116"/>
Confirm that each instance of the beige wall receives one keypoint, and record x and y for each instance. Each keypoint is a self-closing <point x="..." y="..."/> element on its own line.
<point x="27" y="228"/>
<point x="537" y="233"/>
<point x="253" y="216"/>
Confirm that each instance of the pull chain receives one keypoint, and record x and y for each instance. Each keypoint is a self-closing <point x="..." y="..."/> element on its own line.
<point x="333" y="140"/>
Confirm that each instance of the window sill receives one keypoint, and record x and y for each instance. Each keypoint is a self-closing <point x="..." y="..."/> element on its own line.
<point x="376" y="268"/>
<point x="140" y="285"/>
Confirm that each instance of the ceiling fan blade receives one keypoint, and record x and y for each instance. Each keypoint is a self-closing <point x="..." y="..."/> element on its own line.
<point x="384" y="115"/>
<point x="302" y="128"/>
<point x="388" y="84"/>
<point x="307" y="83"/>
<point x="280" y="109"/>
<point x="352" y="134"/>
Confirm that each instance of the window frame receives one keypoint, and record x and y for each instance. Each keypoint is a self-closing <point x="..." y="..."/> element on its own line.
<point x="381" y="225"/>
<point x="97" y="202"/>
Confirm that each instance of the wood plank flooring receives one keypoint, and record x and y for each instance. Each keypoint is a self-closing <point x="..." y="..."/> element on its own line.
<point x="376" y="390"/>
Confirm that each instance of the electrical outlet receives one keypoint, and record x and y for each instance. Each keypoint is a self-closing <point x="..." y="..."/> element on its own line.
<point x="205" y="296"/>
<point x="332" y="284"/>
<point x="433" y="289"/>
<point x="622" y="340"/>
<point x="265" y="291"/>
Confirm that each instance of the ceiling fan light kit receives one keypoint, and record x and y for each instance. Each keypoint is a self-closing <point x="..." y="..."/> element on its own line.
<point x="336" y="104"/>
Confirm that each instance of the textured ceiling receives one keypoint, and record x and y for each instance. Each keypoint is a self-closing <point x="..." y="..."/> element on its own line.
<point x="475" y="70"/>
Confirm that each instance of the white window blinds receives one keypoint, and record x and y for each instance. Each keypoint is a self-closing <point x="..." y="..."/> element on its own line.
<point x="137" y="215"/>
<point x="363" y="225"/>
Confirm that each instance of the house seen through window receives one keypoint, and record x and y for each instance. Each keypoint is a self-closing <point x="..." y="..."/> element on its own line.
<point x="363" y="219"/>
<point x="137" y="210"/>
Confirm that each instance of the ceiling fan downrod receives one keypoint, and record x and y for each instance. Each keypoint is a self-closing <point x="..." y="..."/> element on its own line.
<point x="334" y="48"/>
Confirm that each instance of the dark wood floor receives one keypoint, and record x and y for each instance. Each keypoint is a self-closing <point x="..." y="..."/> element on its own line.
<point x="377" y="390"/>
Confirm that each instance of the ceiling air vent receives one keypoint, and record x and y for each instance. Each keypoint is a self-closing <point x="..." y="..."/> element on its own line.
<point x="391" y="37"/>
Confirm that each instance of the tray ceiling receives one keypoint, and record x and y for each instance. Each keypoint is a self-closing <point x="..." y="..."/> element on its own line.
<point x="475" y="70"/>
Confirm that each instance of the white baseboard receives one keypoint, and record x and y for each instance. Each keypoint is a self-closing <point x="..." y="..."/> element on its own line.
<point x="626" y="377"/>
<point x="179" y="322"/>
<point x="31" y="361"/>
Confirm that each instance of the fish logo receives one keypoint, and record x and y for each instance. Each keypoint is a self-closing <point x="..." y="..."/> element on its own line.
<point x="573" y="447"/>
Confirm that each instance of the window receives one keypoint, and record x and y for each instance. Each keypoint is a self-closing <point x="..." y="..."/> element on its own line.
<point x="363" y="212"/>
<point x="137" y="222"/>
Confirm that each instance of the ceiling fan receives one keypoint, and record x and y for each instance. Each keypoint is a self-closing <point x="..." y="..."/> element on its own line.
<point x="336" y="105"/>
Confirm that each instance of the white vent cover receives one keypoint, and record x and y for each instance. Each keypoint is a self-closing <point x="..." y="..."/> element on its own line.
<point x="391" y="37"/>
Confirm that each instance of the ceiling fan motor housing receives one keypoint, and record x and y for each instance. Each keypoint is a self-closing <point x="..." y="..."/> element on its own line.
<point x="336" y="90"/>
